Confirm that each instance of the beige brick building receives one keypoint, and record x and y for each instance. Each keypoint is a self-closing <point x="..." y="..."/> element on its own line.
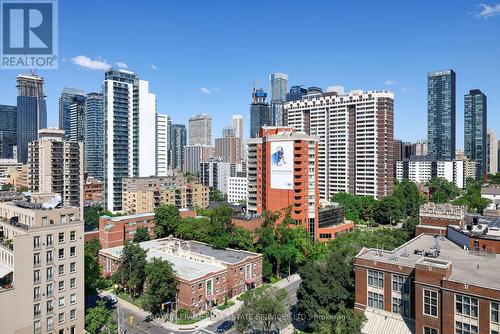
<point x="143" y="194"/>
<point x="41" y="267"/>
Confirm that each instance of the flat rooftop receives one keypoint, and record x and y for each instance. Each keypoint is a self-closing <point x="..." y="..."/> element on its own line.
<point x="227" y="255"/>
<point x="467" y="267"/>
<point x="134" y="216"/>
<point x="185" y="268"/>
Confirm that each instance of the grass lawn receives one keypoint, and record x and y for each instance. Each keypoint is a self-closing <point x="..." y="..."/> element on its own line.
<point x="125" y="296"/>
<point x="185" y="319"/>
<point x="226" y="305"/>
<point x="244" y="295"/>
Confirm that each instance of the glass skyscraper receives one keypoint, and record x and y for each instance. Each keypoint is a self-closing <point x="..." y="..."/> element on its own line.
<point x="441" y="114"/>
<point x="475" y="127"/>
<point x="279" y="87"/>
<point x="8" y="131"/>
<point x="76" y="119"/>
<point x="260" y="114"/>
<point x="94" y="136"/>
<point x="296" y="93"/>
<point x="178" y="139"/>
<point x="65" y="100"/>
<point x="31" y="113"/>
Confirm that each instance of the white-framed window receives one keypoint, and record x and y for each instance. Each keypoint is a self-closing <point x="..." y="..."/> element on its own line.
<point x="61" y="269"/>
<point x="61" y="253"/>
<point x="36" y="277"/>
<point x="72" y="251"/>
<point x="36" y="259"/>
<point x="50" y="240"/>
<point x="50" y="306"/>
<point x="72" y="283"/>
<point x="61" y="318"/>
<point x="428" y="330"/>
<point x="61" y="285"/>
<point x="62" y="302"/>
<point x="401" y="306"/>
<point x="465" y="305"/>
<point x="50" y="323"/>
<point x="36" y="293"/>
<point x="37" y="310"/>
<point x="49" y="289"/>
<point x="375" y="278"/>
<point x="50" y="257"/>
<point x="37" y="327"/>
<point x="36" y="242"/>
<point x="72" y="299"/>
<point x="430" y="303"/>
<point x="400" y="284"/>
<point x="72" y="267"/>
<point x="495" y="312"/>
<point x="50" y="273"/>
<point x="376" y="300"/>
<point x="464" y="328"/>
<point x="72" y="236"/>
<point x="72" y="314"/>
<point x="61" y="237"/>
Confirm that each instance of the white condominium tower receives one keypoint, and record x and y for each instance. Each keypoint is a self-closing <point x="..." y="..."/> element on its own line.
<point x="130" y="138"/>
<point x="356" y="133"/>
<point x="163" y="124"/>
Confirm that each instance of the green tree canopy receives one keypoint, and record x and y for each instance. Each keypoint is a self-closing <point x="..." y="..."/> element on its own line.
<point x="166" y="220"/>
<point x="91" y="215"/>
<point x="160" y="285"/>
<point x="131" y="273"/>
<point x="388" y="210"/>
<point x="441" y="190"/>
<point x="408" y="194"/>
<point x="99" y="320"/>
<point x="141" y="234"/>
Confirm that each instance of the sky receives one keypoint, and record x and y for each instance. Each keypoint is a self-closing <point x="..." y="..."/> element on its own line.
<point x="205" y="56"/>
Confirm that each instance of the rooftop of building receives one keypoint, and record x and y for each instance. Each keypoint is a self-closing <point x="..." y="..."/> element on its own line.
<point x="467" y="266"/>
<point x="190" y="259"/>
<point x="480" y="227"/>
<point x="127" y="217"/>
<point x="490" y="189"/>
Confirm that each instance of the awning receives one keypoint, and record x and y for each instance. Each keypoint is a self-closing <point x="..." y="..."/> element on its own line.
<point x="383" y="322"/>
<point x="4" y="270"/>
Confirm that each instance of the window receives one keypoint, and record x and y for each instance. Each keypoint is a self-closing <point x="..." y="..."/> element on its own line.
<point x="61" y="269"/>
<point x="50" y="273"/>
<point x="430" y="303"/>
<point x="49" y="289"/>
<point x="375" y="278"/>
<point x="400" y="284"/>
<point x="50" y="323"/>
<point x="376" y="300"/>
<point x="61" y="318"/>
<point x="61" y="253"/>
<point x="61" y="285"/>
<point x="428" y="330"/>
<point x="37" y="310"/>
<point x="466" y="305"/>
<point x="72" y="314"/>
<point x="36" y="277"/>
<point x="36" y="293"/>
<point x="50" y="257"/>
<point x="200" y="285"/>
<point x="61" y="237"/>
<point x="494" y="312"/>
<point x="72" y="299"/>
<point x="37" y="327"/>
<point x="401" y="306"/>
<point x="36" y="242"/>
<point x="72" y="267"/>
<point x="36" y="259"/>
<point x="72" y="251"/>
<point x="50" y="306"/>
<point x="61" y="302"/>
<point x="463" y="328"/>
<point x="72" y="236"/>
<point x="72" y="283"/>
<point x="50" y="240"/>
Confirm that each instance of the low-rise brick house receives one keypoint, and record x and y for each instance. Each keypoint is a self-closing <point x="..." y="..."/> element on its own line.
<point x="206" y="275"/>
<point x="430" y="285"/>
<point x="114" y="231"/>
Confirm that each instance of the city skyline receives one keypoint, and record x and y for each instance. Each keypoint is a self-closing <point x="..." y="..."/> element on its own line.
<point x="189" y="84"/>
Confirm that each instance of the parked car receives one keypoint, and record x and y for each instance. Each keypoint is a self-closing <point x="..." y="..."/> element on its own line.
<point x="110" y="300"/>
<point x="225" y="326"/>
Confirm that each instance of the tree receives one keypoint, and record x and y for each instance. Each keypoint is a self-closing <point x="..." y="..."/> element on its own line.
<point x="91" y="215"/>
<point x="241" y="239"/>
<point x="217" y="195"/>
<point x="141" y="234"/>
<point x="100" y="320"/>
<point x="22" y="189"/>
<point x="6" y="187"/>
<point x="388" y="210"/>
<point x="131" y="273"/>
<point x="472" y="197"/>
<point x="160" y="285"/>
<point x="408" y="194"/>
<point x="166" y="220"/>
<point x="264" y="309"/>
<point x="92" y="274"/>
<point x="442" y="191"/>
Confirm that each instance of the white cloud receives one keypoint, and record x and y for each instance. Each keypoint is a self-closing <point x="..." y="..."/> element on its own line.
<point x="390" y="82"/>
<point x="121" y="64"/>
<point x="406" y="89"/>
<point x="488" y="11"/>
<point x="205" y="90"/>
<point x="338" y="89"/>
<point x="153" y="66"/>
<point x="91" y="64"/>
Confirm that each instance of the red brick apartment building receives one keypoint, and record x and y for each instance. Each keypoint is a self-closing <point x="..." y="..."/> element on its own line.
<point x="113" y="231"/>
<point x="206" y="275"/>
<point x="283" y="173"/>
<point x="441" y="282"/>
